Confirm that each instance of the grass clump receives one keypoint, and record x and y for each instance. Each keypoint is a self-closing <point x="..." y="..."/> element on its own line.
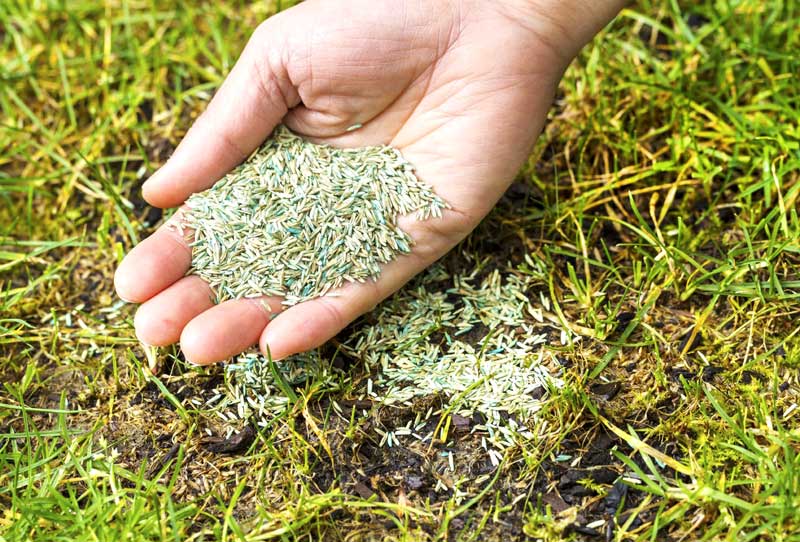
<point x="298" y="219"/>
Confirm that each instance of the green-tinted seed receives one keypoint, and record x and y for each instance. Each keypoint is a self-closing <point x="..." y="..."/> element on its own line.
<point x="298" y="219"/>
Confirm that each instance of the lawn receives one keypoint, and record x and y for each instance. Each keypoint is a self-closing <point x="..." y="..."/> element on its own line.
<point x="653" y="239"/>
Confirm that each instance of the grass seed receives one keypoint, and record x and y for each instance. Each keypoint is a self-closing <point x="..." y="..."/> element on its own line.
<point x="298" y="220"/>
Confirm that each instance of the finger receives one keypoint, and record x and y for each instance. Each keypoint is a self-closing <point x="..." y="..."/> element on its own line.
<point x="312" y="323"/>
<point x="375" y="123"/>
<point x="227" y="329"/>
<point x="317" y="128"/>
<point x="160" y="320"/>
<point x="154" y="264"/>
<point x="254" y="97"/>
<point x="321" y="124"/>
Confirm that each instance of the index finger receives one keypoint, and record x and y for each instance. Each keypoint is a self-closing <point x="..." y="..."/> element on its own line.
<point x="154" y="264"/>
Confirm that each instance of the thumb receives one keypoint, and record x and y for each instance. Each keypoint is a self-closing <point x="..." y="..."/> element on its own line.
<point x="253" y="99"/>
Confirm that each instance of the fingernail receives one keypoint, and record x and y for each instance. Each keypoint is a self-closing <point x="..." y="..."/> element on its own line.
<point x="190" y="362"/>
<point x="149" y="182"/>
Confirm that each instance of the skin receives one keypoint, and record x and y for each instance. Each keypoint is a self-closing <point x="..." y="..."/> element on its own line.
<point x="462" y="88"/>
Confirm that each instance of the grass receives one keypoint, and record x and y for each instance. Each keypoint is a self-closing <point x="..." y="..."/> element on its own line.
<point x="661" y="203"/>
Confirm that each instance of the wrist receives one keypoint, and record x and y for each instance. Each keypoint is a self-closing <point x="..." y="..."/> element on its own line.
<point x="565" y="25"/>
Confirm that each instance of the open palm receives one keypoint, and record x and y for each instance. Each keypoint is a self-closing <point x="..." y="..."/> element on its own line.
<point x="461" y="88"/>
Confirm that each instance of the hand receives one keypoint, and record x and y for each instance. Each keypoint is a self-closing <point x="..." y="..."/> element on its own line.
<point x="460" y="87"/>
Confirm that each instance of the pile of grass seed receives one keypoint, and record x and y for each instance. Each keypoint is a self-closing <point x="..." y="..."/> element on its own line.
<point x="297" y="220"/>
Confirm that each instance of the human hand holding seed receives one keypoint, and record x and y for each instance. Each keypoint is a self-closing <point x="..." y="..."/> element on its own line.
<point x="461" y="88"/>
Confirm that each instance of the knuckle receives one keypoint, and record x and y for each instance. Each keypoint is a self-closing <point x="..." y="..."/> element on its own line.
<point x="332" y="312"/>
